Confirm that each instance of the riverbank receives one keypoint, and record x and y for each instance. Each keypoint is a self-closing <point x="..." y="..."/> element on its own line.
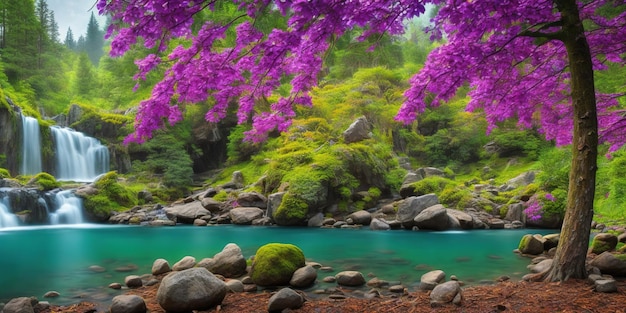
<point x="520" y="297"/>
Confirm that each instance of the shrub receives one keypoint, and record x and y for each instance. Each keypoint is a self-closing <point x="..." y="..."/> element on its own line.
<point x="4" y="173"/>
<point x="292" y="210"/>
<point x="456" y="197"/>
<point x="112" y="196"/>
<point x="44" y="181"/>
<point x="432" y="184"/>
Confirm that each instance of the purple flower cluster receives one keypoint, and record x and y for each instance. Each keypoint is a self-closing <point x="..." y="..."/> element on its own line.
<point x="533" y="210"/>
<point x="510" y="74"/>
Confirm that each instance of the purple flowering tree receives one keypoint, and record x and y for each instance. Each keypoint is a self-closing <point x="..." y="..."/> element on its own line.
<point x="532" y="60"/>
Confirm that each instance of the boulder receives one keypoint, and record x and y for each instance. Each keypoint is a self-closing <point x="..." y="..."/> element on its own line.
<point x="20" y="305"/>
<point x="285" y="298"/>
<point x="410" y="207"/>
<point x="523" y="179"/>
<point x="434" y="218"/>
<point x="190" y="289"/>
<point x="275" y="263"/>
<point x="235" y="285"/>
<point x="357" y="131"/>
<point x="184" y="263"/>
<point x="465" y="220"/>
<point x="186" y="213"/>
<point x="128" y="304"/>
<point x="252" y="199"/>
<point x="51" y="294"/>
<point x="515" y="212"/>
<point x="607" y="263"/>
<point x="429" y="280"/>
<point x="245" y="215"/>
<point x="316" y="220"/>
<point x="303" y="277"/>
<point x="541" y="266"/>
<point x="350" y="278"/>
<point x="445" y="293"/>
<point x="378" y="224"/>
<point x="407" y="189"/>
<point x="551" y="241"/>
<point x="603" y="242"/>
<point x="273" y="202"/>
<point x="530" y="244"/>
<point x="229" y="263"/>
<point x="360" y="217"/>
<point x="199" y="222"/>
<point x="211" y="205"/>
<point x="605" y="285"/>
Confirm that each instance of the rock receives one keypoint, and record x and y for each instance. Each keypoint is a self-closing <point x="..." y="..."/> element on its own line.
<point x="357" y="131"/>
<point x="184" y="263"/>
<point x="199" y="222"/>
<point x="407" y="189"/>
<point x="190" y="289"/>
<point x="133" y="281"/>
<point x="434" y="218"/>
<point x="607" y="263"/>
<point x="234" y="285"/>
<point x="515" y="212"/>
<point x="361" y="217"/>
<point x="377" y="283"/>
<point x="229" y="263"/>
<point x="410" y="207"/>
<point x="116" y="286"/>
<point x="211" y="205"/>
<point x="329" y="279"/>
<point x="186" y="213"/>
<point x="523" y="179"/>
<point x="605" y="285"/>
<point x="429" y="280"/>
<point x="263" y="221"/>
<point x="275" y="263"/>
<point x="350" y="278"/>
<point x="621" y="237"/>
<point x="603" y="242"/>
<point x="541" y="266"/>
<point x="97" y="269"/>
<point x="496" y="223"/>
<point x="530" y="244"/>
<point x="465" y="220"/>
<point x="128" y="304"/>
<point x="316" y="221"/>
<point x="303" y="277"/>
<point x="20" y="305"/>
<point x="160" y="266"/>
<point x="273" y="202"/>
<point x="51" y="294"/>
<point x="285" y="298"/>
<point x="252" y="199"/>
<point x="378" y="224"/>
<point x="245" y="215"/>
<point x="445" y="293"/>
<point x="161" y="222"/>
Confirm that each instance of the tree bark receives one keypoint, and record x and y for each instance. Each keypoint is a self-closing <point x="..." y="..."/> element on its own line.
<point x="571" y="253"/>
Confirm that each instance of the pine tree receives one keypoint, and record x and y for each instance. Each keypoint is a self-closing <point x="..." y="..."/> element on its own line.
<point x="69" y="41"/>
<point x="94" y="42"/>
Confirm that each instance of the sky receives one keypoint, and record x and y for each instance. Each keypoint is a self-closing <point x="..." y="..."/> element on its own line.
<point x="75" y="15"/>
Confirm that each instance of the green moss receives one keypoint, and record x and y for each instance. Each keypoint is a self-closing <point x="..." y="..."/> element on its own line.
<point x="456" y="197"/>
<point x="44" y="181"/>
<point x="4" y="173"/>
<point x="275" y="263"/>
<point x="432" y="184"/>
<point x="292" y="210"/>
<point x="221" y="196"/>
<point x="523" y="243"/>
<point x="112" y="196"/>
<point x="599" y="246"/>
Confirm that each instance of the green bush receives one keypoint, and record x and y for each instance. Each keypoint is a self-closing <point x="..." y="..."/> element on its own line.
<point x="238" y="150"/>
<point x="112" y="196"/>
<point x="432" y="184"/>
<point x="456" y="197"/>
<point x="4" y="173"/>
<point x="511" y="142"/>
<point x="554" y="166"/>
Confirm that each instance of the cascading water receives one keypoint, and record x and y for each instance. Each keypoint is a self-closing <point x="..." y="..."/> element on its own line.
<point x="69" y="209"/>
<point x="79" y="158"/>
<point x="31" y="146"/>
<point x="6" y="218"/>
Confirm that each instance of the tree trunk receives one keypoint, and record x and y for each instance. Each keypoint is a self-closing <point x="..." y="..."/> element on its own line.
<point x="571" y="253"/>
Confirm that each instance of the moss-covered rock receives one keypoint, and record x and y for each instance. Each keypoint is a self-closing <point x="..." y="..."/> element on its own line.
<point x="432" y="184"/>
<point x="275" y="263"/>
<point x="292" y="211"/>
<point x="603" y="242"/>
<point x="530" y="244"/>
<point x="4" y="173"/>
<point x="111" y="196"/>
<point x="44" y="181"/>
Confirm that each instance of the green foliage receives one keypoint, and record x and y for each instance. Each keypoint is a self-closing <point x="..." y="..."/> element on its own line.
<point x="292" y="209"/>
<point x="432" y="184"/>
<point x="554" y="166"/>
<point x="44" y="181"/>
<point x="457" y="197"/>
<point x="221" y="196"/>
<point x="237" y="149"/>
<point x="512" y="142"/>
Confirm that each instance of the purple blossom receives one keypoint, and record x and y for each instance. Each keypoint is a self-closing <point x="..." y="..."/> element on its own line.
<point x="550" y="197"/>
<point x="533" y="210"/>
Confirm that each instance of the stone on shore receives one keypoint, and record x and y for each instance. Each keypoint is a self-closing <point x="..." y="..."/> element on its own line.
<point x="360" y="217"/>
<point x="186" y="213"/>
<point x="128" y="304"/>
<point x="303" y="277"/>
<point x="285" y="298"/>
<point x="350" y="278"/>
<point x="160" y="266"/>
<point x="603" y="242"/>
<point x="190" y="289"/>
<point x="445" y="293"/>
<point x="530" y="244"/>
<point x="133" y="281"/>
<point x="51" y="294"/>
<point x="20" y="305"/>
<point x="378" y="224"/>
<point x="275" y="263"/>
<point x="229" y="263"/>
<point x="245" y="215"/>
<point x="434" y="218"/>
<point x="186" y="262"/>
<point x="607" y="263"/>
<point x="429" y="280"/>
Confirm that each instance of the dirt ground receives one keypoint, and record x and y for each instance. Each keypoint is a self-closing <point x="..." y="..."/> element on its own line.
<point x="573" y="296"/>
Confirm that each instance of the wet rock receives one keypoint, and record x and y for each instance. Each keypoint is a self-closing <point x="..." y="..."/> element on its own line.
<point x="245" y="215"/>
<point x="160" y="266"/>
<point x="20" y="305"/>
<point x="378" y="224"/>
<point x="51" y="294"/>
<point x="410" y="207"/>
<point x="133" y="281"/>
<point x="445" y="293"/>
<point x="429" y="280"/>
<point x="303" y="277"/>
<point x="285" y="298"/>
<point x="350" y="278"/>
<point x="361" y="217"/>
<point x="186" y="262"/>
<point x="116" y="286"/>
<point x="433" y="218"/>
<point x="190" y="289"/>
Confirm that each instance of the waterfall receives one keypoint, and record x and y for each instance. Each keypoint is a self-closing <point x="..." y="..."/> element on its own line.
<point x="31" y="146"/>
<point x="79" y="158"/>
<point x="69" y="209"/>
<point x="7" y="219"/>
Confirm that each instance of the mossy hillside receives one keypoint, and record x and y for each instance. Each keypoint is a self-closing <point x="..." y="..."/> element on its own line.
<point x="275" y="263"/>
<point x="292" y="210"/>
<point x="44" y="182"/>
